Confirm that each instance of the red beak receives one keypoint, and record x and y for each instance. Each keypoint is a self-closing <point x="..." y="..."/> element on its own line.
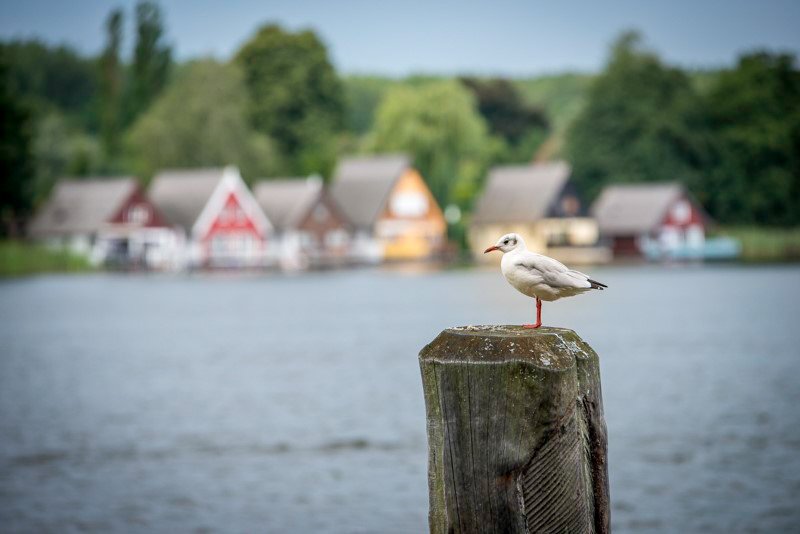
<point x="493" y="247"/>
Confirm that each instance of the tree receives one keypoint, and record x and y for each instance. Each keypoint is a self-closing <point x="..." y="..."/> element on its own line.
<point x="295" y="96"/>
<point x="754" y="112"/>
<point x="363" y="94"/>
<point x="502" y="107"/>
<point x="16" y="171"/>
<point x="152" y="59"/>
<point x="439" y="125"/>
<point x="111" y="85"/>
<point x="523" y="128"/>
<point x="60" y="150"/>
<point x="642" y="122"/>
<point x="46" y="77"/>
<point x="200" y="120"/>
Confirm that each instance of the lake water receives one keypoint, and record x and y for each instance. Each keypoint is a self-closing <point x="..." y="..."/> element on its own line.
<point x="280" y="403"/>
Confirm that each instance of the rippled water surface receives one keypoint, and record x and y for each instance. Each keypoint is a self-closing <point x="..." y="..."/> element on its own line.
<point x="294" y="404"/>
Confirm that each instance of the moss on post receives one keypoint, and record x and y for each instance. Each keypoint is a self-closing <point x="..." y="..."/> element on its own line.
<point x="516" y="435"/>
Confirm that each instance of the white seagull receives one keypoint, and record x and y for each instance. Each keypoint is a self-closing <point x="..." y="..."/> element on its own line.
<point x="539" y="276"/>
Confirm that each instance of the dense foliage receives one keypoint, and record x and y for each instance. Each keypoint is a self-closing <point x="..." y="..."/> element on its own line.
<point x="278" y="107"/>
<point x="48" y="78"/>
<point x="521" y="126"/>
<point x="642" y="122"/>
<point x="200" y="120"/>
<point x="111" y="85"/>
<point x="152" y="59"/>
<point x="16" y="168"/>
<point x="439" y="124"/>
<point x="505" y="112"/>
<point x="735" y="145"/>
<point x="363" y="94"/>
<point x="754" y="113"/>
<point x="296" y="97"/>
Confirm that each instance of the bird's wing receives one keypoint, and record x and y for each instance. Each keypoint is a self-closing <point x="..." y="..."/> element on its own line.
<point x="553" y="272"/>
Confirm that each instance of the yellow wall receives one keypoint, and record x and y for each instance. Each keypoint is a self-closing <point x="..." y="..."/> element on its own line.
<point x="405" y="232"/>
<point x="579" y="231"/>
<point x="485" y="235"/>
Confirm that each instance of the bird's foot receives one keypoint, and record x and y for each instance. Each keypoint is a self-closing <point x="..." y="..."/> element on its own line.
<point x="537" y="325"/>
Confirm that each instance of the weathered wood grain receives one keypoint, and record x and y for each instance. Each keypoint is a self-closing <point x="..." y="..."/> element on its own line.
<point x="516" y="435"/>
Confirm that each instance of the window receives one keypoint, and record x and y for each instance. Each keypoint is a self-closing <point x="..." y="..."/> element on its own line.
<point x="409" y="204"/>
<point x="557" y="236"/>
<point x="138" y="214"/>
<point x="695" y="236"/>
<point x="307" y="240"/>
<point x="219" y="245"/>
<point x="670" y="238"/>
<point x="681" y="212"/>
<point x="320" y="213"/>
<point x="570" y="206"/>
<point x="336" y="238"/>
<point x="232" y="214"/>
<point x="240" y="215"/>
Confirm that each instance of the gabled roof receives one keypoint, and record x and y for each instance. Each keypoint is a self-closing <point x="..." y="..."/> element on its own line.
<point x="286" y="201"/>
<point x="634" y="208"/>
<point x="361" y="185"/>
<point x="521" y="193"/>
<point x="81" y="206"/>
<point x="181" y="194"/>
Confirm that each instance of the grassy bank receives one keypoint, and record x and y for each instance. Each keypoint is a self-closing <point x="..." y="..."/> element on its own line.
<point x="19" y="258"/>
<point x="766" y="244"/>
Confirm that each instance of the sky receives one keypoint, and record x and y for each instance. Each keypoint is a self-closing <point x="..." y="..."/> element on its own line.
<point x="501" y="37"/>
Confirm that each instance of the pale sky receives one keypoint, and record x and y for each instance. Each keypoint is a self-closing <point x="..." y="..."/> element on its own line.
<point x="504" y="37"/>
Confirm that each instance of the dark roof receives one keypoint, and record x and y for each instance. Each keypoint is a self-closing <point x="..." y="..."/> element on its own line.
<point x="81" y="206"/>
<point x="521" y="193"/>
<point x="180" y="195"/>
<point x="286" y="201"/>
<point x="634" y="208"/>
<point x="361" y="185"/>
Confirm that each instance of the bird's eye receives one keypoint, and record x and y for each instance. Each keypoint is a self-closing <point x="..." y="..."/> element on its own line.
<point x="505" y="242"/>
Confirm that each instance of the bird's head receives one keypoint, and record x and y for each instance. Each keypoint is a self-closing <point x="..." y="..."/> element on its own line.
<point x="507" y="243"/>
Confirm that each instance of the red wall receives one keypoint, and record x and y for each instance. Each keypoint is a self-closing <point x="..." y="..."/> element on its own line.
<point x="232" y="219"/>
<point x="695" y="218"/>
<point x="138" y="197"/>
<point x="626" y="245"/>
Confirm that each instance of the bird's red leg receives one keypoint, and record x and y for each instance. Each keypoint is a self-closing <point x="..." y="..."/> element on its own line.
<point x="538" y="316"/>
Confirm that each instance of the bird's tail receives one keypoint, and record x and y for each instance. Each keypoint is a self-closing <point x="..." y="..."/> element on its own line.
<point x="597" y="285"/>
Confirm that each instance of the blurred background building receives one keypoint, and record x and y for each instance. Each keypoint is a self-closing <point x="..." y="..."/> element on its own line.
<point x="311" y="229"/>
<point x="109" y="220"/>
<point x="414" y="162"/>
<point x="219" y="220"/>
<point x="540" y="202"/>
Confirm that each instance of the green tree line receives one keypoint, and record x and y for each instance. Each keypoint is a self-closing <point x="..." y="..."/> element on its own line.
<point x="279" y="108"/>
<point x="734" y="141"/>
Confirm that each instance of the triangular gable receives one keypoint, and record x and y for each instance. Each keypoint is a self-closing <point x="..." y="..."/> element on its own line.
<point x="231" y="184"/>
<point x="81" y="206"/>
<point x="410" y="182"/>
<point x="634" y="208"/>
<point x="334" y="212"/>
<point x="698" y="214"/>
<point x="361" y="185"/>
<point x="137" y="198"/>
<point x="286" y="201"/>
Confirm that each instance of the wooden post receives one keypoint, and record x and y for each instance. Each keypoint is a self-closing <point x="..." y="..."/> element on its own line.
<point x="516" y="434"/>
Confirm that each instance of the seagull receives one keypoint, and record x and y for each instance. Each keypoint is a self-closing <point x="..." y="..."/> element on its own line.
<point x="539" y="276"/>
